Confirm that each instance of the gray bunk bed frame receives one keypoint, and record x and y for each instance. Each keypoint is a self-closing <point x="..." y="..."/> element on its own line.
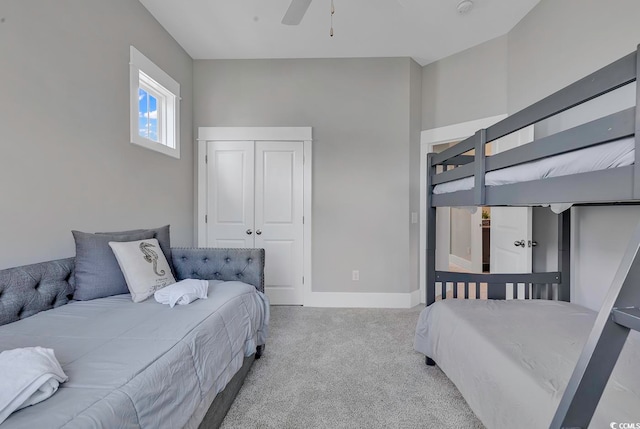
<point x="620" y="311"/>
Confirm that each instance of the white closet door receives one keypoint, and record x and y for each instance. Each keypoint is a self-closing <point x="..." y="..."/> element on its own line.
<point x="279" y="218"/>
<point x="511" y="227"/>
<point x="230" y="197"/>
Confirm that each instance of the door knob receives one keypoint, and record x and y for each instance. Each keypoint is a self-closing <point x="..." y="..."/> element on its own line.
<point x="249" y="232"/>
<point x="519" y="243"/>
<point x="259" y="231"/>
<point x="533" y="243"/>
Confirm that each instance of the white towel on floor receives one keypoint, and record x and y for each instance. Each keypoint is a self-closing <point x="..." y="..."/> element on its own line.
<point x="182" y="292"/>
<point x="29" y="375"/>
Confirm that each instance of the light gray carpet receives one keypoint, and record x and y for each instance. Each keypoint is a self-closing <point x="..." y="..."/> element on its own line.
<point x="346" y="368"/>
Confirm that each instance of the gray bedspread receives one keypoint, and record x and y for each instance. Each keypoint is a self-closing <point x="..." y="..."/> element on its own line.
<point x="512" y="360"/>
<point x="140" y="365"/>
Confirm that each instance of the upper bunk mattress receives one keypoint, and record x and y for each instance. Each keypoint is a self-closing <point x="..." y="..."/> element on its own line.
<point x="512" y="360"/>
<point x="600" y="157"/>
<point x="140" y="365"/>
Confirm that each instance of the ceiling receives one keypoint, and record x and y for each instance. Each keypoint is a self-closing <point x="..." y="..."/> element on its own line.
<point x="425" y="30"/>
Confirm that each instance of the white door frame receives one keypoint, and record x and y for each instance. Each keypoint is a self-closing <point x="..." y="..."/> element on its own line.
<point x="303" y="134"/>
<point x="429" y="139"/>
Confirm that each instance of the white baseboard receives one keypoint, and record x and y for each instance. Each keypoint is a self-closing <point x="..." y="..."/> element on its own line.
<point x="362" y="300"/>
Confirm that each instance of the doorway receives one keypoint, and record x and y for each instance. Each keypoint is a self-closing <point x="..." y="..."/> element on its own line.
<point x="466" y="233"/>
<point x="429" y="139"/>
<point x="509" y="227"/>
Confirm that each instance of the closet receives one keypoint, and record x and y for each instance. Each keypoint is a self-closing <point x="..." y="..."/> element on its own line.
<point x="251" y="193"/>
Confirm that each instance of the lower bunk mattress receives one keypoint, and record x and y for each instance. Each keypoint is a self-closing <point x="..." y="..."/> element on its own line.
<point x="512" y="360"/>
<point x="142" y="365"/>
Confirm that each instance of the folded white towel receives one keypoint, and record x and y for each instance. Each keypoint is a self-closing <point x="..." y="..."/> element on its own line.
<point x="182" y="292"/>
<point x="29" y="375"/>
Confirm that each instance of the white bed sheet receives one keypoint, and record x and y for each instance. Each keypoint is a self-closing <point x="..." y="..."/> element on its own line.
<point x="140" y="365"/>
<point x="512" y="360"/>
<point x="600" y="157"/>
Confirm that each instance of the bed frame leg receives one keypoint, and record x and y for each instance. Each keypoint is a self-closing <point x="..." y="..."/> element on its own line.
<point x="429" y="361"/>
<point x="259" y="351"/>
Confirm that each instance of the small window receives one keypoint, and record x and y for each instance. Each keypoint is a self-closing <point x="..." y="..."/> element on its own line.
<point x="155" y="106"/>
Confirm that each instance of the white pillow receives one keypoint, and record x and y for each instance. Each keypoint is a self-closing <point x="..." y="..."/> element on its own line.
<point x="144" y="266"/>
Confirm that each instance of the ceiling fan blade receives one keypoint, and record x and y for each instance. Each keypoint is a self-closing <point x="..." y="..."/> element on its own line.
<point x="296" y="12"/>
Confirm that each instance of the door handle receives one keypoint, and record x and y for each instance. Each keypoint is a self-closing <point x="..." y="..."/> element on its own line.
<point x="533" y="243"/>
<point x="519" y="243"/>
<point x="259" y="231"/>
<point x="249" y="232"/>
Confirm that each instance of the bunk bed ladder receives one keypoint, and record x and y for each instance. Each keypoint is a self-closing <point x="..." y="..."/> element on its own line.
<point x="618" y="315"/>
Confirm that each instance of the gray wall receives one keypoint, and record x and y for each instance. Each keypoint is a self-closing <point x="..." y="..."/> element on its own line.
<point x="65" y="157"/>
<point x="578" y="37"/>
<point x="362" y="142"/>
<point x="559" y="42"/>
<point x="466" y="86"/>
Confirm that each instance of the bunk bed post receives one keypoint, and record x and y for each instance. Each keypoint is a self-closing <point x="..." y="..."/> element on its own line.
<point x="618" y="315"/>
<point x="479" y="163"/>
<point x="636" y="166"/>
<point x="431" y="235"/>
<point x="564" y="255"/>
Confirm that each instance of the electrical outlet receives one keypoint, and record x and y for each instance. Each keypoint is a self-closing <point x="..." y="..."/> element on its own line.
<point x="355" y="275"/>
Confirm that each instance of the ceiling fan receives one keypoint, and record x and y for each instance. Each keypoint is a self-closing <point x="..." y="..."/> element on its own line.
<point x="296" y="12"/>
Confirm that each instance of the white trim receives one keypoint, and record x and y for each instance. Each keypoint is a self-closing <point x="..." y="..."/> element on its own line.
<point x="362" y="300"/>
<point x="201" y="197"/>
<point x="255" y="133"/>
<point x="298" y="134"/>
<point x="169" y="127"/>
<point x="153" y="71"/>
<point x="458" y="131"/>
<point x="428" y="139"/>
<point x="307" y="231"/>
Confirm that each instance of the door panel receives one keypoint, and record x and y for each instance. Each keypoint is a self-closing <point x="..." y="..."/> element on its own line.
<point x="229" y="172"/>
<point x="508" y="225"/>
<point x="281" y="257"/>
<point x="278" y="202"/>
<point x="230" y="244"/>
<point x="278" y="218"/>
<point x="230" y="204"/>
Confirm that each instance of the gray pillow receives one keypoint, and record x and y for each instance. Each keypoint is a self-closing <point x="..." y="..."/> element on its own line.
<point x="161" y="234"/>
<point x="97" y="273"/>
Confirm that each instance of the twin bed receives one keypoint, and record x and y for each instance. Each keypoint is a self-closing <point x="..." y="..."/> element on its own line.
<point x="533" y="362"/>
<point x="138" y="365"/>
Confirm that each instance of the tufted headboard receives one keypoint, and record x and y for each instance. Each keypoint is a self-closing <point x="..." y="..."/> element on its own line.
<point x="27" y="290"/>
<point x="245" y="265"/>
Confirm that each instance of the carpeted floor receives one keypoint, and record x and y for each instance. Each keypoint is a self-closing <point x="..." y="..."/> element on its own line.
<point x="346" y="368"/>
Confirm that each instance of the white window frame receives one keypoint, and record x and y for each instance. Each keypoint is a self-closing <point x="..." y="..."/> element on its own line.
<point x="151" y="88"/>
<point x="143" y="73"/>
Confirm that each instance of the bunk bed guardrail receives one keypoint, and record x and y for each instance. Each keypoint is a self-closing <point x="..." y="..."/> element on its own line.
<point x="536" y="285"/>
<point x="453" y="163"/>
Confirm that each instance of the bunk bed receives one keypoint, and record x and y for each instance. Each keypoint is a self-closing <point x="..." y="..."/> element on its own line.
<point x="539" y="360"/>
